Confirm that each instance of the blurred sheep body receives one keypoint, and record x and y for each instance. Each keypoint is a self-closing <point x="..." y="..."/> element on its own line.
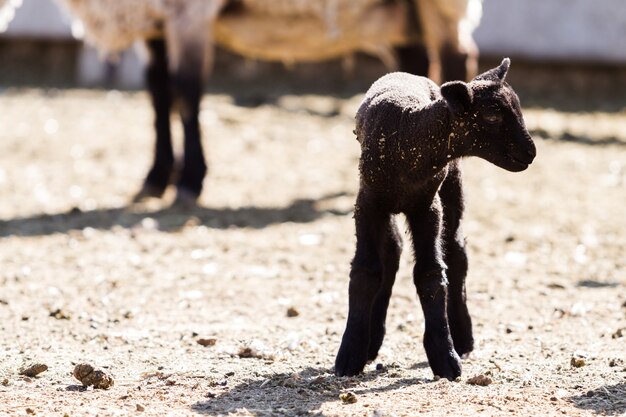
<point x="412" y="135"/>
<point x="181" y="36"/>
<point x="308" y="30"/>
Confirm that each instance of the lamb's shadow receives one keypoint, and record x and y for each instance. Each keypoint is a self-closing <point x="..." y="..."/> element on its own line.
<point x="292" y="394"/>
<point x="609" y="400"/>
<point x="172" y="218"/>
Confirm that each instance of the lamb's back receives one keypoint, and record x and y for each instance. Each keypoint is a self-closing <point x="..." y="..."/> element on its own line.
<point x="389" y="98"/>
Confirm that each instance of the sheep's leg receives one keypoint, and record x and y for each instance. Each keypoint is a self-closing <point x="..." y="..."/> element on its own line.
<point x="188" y="87"/>
<point x="390" y="257"/>
<point x="413" y="59"/>
<point x="430" y="280"/>
<point x="158" y="83"/>
<point x="456" y="63"/>
<point x="451" y="193"/>
<point x="190" y="55"/>
<point x="451" y="51"/>
<point x="374" y="231"/>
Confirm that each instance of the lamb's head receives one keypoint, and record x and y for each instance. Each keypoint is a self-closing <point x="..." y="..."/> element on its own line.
<point x="487" y="120"/>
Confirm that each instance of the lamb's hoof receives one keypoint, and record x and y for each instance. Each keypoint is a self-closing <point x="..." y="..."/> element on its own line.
<point x="372" y="352"/>
<point x="349" y="363"/>
<point x="464" y="347"/>
<point x="185" y="198"/>
<point x="447" y="366"/>
<point x="148" y="191"/>
<point x="376" y="341"/>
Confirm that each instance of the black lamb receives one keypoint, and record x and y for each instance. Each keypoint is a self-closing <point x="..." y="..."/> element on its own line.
<point x="412" y="136"/>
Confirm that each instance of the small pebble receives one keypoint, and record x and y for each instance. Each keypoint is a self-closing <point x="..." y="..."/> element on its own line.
<point x="60" y="314"/>
<point x="578" y="362"/>
<point x="209" y="341"/>
<point x="246" y="352"/>
<point x="293" y="381"/>
<point x="140" y="407"/>
<point x="292" y="312"/>
<point x="347" y="397"/>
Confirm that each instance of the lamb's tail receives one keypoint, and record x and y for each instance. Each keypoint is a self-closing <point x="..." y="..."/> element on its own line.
<point x="7" y="11"/>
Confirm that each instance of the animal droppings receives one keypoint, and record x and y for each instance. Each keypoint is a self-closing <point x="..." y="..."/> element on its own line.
<point x="482" y="380"/>
<point x="88" y="376"/>
<point x="33" y="370"/>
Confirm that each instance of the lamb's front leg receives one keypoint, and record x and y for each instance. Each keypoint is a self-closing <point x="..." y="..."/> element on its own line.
<point x="429" y="275"/>
<point x="371" y="277"/>
<point x="451" y="194"/>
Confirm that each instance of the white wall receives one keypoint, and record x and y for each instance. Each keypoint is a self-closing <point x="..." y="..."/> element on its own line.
<point x="39" y="18"/>
<point x="580" y="30"/>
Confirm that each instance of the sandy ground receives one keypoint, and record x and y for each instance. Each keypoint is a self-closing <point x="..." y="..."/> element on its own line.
<point x="87" y="277"/>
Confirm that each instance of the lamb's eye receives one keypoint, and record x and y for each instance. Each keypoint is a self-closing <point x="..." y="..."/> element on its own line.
<point x="492" y="118"/>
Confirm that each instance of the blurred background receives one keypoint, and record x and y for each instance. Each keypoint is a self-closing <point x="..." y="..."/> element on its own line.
<point x="579" y="42"/>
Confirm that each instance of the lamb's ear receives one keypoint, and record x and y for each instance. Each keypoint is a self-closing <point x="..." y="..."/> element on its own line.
<point x="496" y="74"/>
<point x="458" y="96"/>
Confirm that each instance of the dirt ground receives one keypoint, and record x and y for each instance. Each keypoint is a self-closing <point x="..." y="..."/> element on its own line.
<point x="260" y="269"/>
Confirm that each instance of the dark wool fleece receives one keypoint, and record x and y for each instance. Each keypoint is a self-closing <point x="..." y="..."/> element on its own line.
<point x="403" y="126"/>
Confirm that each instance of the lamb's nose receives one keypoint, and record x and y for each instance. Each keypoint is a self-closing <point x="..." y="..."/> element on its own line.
<point x="532" y="151"/>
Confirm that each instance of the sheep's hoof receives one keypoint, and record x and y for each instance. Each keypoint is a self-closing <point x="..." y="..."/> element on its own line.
<point x="185" y="198"/>
<point x="148" y="191"/>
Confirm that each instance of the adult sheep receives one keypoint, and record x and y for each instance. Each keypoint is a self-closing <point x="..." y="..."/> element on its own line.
<point x="412" y="135"/>
<point x="181" y="36"/>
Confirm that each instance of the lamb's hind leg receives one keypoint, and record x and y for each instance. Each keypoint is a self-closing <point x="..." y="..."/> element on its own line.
<point x="158" y="84"/>
<point x="374" y="254"/>
<point x="430" y="280"/>
<point x="390" y="257"/>
<point x="451" y="194"/>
